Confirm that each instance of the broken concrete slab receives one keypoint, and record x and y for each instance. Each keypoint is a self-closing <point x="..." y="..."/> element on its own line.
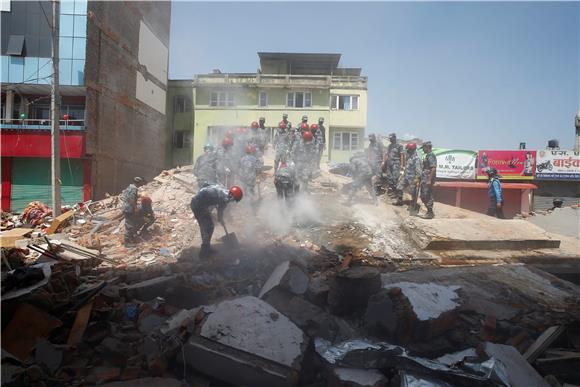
<point x="146" y="382"/>
<point x="429" y="300"/>
<point x="288" y="276"/>
<point x="258" y="345"/>
<point x="150" y="322"/>
<point x="149" y="289"/>
<point x="178" y="320"/>
<point x="484" y="233"/>
<point x="314" y="321"/>
<point x="354" y="377"/>
<point x="380" y="318"/>
<point x="456" y="357"/>
<point x="519" y="371"/>
<point x="48" y="355"/>
<point x="351" y="289"/>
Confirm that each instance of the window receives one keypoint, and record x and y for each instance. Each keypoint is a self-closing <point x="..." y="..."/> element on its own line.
<point x="299" y="99"/>
<point x="182" y="104"/>
<point x="344" y="102"/>
<point x="221" y="98"/>
<point x="346" y="141"/>
<point x="182" y="139"/>
<point x="15" y="45"/>
<point x="263" y="99"/>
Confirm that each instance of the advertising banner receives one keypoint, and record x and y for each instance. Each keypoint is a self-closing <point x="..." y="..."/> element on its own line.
<point x="510" y="164"/>
<point x="558" y="165"/>
<point x="455" y="164"/>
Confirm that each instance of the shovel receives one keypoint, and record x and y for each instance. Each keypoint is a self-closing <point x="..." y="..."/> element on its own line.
<point x="230" y="240"/>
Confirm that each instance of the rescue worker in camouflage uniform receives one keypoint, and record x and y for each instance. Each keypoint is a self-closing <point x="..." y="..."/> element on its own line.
<point x="203" y="202"/>
<point x="205" y="169"/>
<point x="226" y="162"/>
<point x="428" y="178"/>
<point x="297" y="133"/>
<point x="281" y="144"/>
<point x="362" y="176"/>
<point x="285" y="120"/>
<point x="146" y="214"/>
<point x="376" y="154"/>
<point x="318" y="145"/>
<point x="322" y="147"/>
<point x="130" y="210"/>
<point x="392" y="165"/>
<point x="286" y="183"/>
<point x="256" y="137"/>
<point x="303" y="153"/>
<point x="250" y="166"/>
<point x="411" y="177"/>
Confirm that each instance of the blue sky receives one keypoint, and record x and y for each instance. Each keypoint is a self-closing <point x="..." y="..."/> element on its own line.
<point x="464" y="75"/>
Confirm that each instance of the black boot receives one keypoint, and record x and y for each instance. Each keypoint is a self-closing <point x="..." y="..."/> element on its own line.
<point x="204" y="252"/>
<point x="429" y="214"/>
<point x="413" y="209"/>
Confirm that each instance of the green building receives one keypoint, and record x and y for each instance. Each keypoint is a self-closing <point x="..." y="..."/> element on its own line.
<point x="292" y="83"/>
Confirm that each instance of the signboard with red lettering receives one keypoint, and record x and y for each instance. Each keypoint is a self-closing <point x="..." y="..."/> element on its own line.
<point x="558" y="165"/>
<point x="511" y="165"/>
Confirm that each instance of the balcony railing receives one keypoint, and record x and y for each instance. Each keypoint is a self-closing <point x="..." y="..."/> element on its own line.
<point x="36" y="124"/>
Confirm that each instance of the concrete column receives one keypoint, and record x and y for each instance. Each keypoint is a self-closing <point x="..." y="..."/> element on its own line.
<point x="525" y="201"/>
<point x="9" y="105"/>
<point x="458" y="197"/>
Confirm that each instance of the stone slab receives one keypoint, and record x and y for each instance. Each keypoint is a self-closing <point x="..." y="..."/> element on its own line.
<point x="484" y="233"/>
<point x="519" y="371"/>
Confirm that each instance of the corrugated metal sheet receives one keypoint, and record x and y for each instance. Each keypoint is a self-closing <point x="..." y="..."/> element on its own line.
<point x="31" y="182"/>
<point x="542" y="203"/>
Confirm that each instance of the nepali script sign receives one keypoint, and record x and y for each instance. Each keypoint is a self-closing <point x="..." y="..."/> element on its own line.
<point x="510" y="164"/>
<point x="558" y="165"/>
<point x="455" y="164"/>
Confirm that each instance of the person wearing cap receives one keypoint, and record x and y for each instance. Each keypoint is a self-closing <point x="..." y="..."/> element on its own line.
<point x="392" y="165"/>
<point x="410" y="179"/>
<point x="428" y="178"/>
<point x="205" y="168"/>
<point x="130" y="210"/>
<point x="286" y="122"/>
<point x="494" y="194"/>
<point x="256" y="137"/>
<point x="281" y="144"/>
<point x="322" y="146"/>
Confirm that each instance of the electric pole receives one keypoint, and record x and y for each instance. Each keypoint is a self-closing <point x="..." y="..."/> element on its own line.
<point x="55" y="110"/>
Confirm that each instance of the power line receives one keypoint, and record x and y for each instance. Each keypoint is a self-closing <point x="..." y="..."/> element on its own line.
<point x="46" y="18"/>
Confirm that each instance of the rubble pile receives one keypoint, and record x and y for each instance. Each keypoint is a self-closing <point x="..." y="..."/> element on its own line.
<point x="312" y="305"/>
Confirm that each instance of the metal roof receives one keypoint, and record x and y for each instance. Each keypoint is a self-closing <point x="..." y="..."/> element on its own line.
<point x="303" y="63"/>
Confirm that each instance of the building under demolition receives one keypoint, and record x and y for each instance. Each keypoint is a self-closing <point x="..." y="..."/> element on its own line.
<point x="113" y="84"/>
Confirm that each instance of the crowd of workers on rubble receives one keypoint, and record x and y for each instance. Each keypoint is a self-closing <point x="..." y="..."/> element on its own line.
<point x="238" y="163"/>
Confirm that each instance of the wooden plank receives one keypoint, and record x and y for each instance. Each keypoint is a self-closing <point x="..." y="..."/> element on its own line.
<point x="56" y="222"/>
<point x="543" y="342"/>
<point x="80" y="325"/>
<point x="9" y="238"/>
<point x="27" y="324"/>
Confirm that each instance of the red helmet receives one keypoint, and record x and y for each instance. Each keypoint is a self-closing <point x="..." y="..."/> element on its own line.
<point x="314" y="127"/>
<point x="411" y="146"/>
<point x="255" y="125"/>
<point x="307" y="135"/>
<point x="282" y="125"/>
<point x="250" y="149"/>
<point x="236" y="193"/>
<point x="304" y="126"/>
<point x="227" y="141"/>
<point x="146" y="200"/>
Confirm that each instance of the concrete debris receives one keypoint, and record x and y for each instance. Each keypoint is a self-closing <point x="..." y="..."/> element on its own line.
<point x="287" y="276"/>
<point x="46" y="354"/>
<point x="453" y="358"/>
<point x="429" y="300"/>
<point x="351" y="289"/>
<point x="520" y="372"/>
<point x="352" y="377"/>
<point x="149" y="289"/>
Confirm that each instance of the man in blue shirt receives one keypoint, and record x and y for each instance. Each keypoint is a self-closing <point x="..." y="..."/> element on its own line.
<point x="494" y="193"/>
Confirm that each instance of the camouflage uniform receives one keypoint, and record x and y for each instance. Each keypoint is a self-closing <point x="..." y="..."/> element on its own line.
<point x="281" y="146"/>
<point x="394" y="152"/>
<point x="202" y="203"/>
<point x="362" y="175"/>
<point x="429" y="162"/>
<point x="319" y="147"/>
<point x="146" y="215"/>
<point x="322" y="131"/>
<point x="411" y="177"/>
<point x="249" y="166"/>
<point x="303" y="154"/>
<point x="132" y="224"/>
<point x="205" y="169"/>
<point x="376" y="151"/>
<point x="286" y="183"/>
<point x="256" y="137"/>
<point x="226" y="165"/>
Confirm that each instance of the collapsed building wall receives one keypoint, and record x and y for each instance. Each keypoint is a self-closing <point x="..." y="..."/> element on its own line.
<point x="126" y="81"/>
